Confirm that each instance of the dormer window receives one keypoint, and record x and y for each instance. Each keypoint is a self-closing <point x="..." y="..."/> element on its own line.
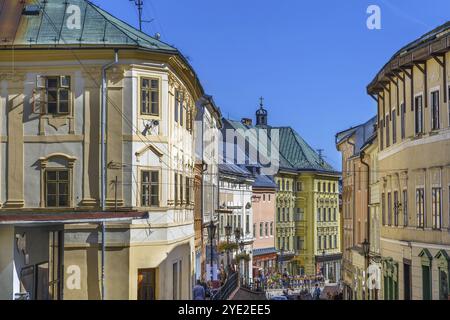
<point x="52" y="95"/>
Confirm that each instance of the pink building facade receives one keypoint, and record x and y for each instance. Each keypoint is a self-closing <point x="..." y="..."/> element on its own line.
<point x="264" y="252"/>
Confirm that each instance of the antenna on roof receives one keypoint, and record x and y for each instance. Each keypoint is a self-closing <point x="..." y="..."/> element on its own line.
<point x="140" y="6"/>
<point x="321" y="156"/>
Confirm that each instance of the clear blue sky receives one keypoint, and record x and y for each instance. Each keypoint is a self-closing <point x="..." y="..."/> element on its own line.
<point x="311" y="60"/>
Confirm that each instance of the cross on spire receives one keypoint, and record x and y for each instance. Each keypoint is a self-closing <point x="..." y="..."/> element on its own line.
<point x="261" y="103"/>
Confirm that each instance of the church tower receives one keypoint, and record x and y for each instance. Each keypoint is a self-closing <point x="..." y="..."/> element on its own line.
<point x="261" y="114"/>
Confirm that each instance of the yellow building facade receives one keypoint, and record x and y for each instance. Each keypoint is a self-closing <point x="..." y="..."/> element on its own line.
<point x="412" y="92"/>
<point x="52" y="185"/>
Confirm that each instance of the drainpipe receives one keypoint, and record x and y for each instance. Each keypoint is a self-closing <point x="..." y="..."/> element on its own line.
<point x="354" y="202"/>
<point x="362" y="155"/>
<point x="103" y="160"/>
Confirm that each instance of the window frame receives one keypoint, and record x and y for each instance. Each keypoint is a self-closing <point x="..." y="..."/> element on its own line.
<point x="42" y="90"/>
<point x="149" y="91"/>
<point x="418" y="132"/>
<point x="433" y="110"/>
<point x="69" y="188"/>
<point x="420" y="208"/>
<point x="150" y="184"/>
<point x="436" y="204"/>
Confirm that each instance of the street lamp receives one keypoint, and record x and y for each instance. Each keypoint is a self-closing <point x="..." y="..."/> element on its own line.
<point x="366" y="250"/>
<point x="211" y="232"/>
<point x="228" y="230"/>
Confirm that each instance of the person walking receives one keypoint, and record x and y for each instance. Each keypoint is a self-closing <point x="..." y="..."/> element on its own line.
<point x="317" y="292"/>
<point x="199" y="291"/>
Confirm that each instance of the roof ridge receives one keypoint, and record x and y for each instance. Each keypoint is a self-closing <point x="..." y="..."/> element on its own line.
<point x="138" y="33"/>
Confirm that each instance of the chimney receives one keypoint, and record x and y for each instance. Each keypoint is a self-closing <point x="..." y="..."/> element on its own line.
<point x="246" y="122"/>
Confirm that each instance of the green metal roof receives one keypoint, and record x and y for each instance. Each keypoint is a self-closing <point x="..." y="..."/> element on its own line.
<point x="97" y="28"/>
<point x="299" y="153"/>
<point x="295" y="153"/>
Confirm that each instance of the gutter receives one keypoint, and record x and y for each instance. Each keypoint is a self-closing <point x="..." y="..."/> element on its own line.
<point x="362" y="155"/>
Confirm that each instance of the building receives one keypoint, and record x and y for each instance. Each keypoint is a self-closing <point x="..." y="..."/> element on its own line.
<point x="412" y="92"/>
<point x="355" y="203"/>
<point x="84" y="217"/>
<point x="235" y="198"/>
<point x="307" y="242"/>
<point x="207" y="137"/>
<point x="264" y="201"/>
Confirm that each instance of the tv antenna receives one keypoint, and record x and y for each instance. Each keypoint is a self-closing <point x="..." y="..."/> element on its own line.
<point x="321" y="156"/>
<point x="140" y="6"/>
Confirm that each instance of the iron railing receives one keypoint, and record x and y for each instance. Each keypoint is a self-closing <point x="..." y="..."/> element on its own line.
<point x="227" y="289"/>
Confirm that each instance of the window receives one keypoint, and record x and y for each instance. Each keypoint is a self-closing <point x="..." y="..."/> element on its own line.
<point x="146" y="284"/>
<point x="389" y="209"/>
<point x="329" y="214"/>
<point x="418" y="113"/>
<point x="396" y="207"/>
<point x="420" y="207"/>
<point x="188" y="190"/>
<point x="267" y="229"/>
<point x="329" y="187"/>
<point x="177" y="105"/>
<point x="402" y="121"/>
<point x="254" y="230"/>
<point x="334" y="188"/>
<point x="324" y="214"/>
<point x="394" y="127"/>
<point x="335" y="241"/>
<point x="181" y="105"/>
<point x="57" y="188"/>
<point x="382" y="134"/>
<point x="319" y="215"/>
<point x="279" y="214"/>
<point x="52" y="95"/>
<point x="261" y="226"/>
<point x="271" y="229"/>
<point x="287" y="186"/>
<point x="388" y="139"/>
<point x="318" y="187"/>
<point x="405" y="208"/>
<point x="435" y="110"/>
<point x="383" y="208"/>
<point x="436" y="207"/>
<point x="176" y="188"/>
<point x="247" y="223"/>
<point x="268" y="197"/>
<point x="319" y="242"/>
<point x="150" y="97"/>
<point x="299" y="187"/>
<point x="150" y="188"/>
<point x="334" y="214"/>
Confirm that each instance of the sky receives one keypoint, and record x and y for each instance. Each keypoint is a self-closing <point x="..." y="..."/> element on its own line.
<point x="310" y="60"/>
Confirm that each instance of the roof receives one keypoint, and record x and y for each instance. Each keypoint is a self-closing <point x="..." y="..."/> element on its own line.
<point x="295" y="154"/>
<point x="52" y="26"/>
<point x="235" y="170"/>
<point x="262" y="181"/>
<point x="433" y="43"/>
<point x="362" y="134"/>
<point x="264" y="251"/>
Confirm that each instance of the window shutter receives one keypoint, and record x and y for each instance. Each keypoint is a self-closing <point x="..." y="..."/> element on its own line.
<point x="38" y="101"/>
<point x="41" y="82"/>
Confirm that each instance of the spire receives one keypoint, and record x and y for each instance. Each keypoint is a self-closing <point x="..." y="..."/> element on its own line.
<point x="261" y="114"/>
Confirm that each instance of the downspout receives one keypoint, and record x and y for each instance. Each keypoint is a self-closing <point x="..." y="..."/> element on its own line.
<point x="354" y="203"/>
<point x="367" y="259"/>
<point x="103" y="160"/>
